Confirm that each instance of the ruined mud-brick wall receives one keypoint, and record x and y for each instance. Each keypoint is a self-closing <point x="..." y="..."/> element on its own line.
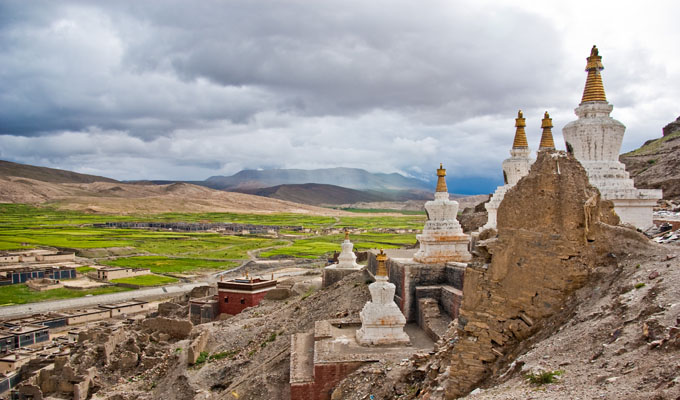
<point x="326" y="376"/>
<point x="552" y="232"/>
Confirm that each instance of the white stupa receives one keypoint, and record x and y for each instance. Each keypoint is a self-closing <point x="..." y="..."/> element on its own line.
<point x="514" y="168"/>
<point x="595" y="140"/>
<point x="347" y="264"/>
<point x="382" y="322"/>
<point x="442" y="239"/>
<point x="347" y="259"/>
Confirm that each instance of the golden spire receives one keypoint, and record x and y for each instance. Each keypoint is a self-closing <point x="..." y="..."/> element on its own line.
<point x="381" y="258"/>
<point x="594" y="90"/>
<point x="546" y="138"/>
<point x="520" y="135"/>
<point x="346" y="234"/>
<point x="441" y="181"/>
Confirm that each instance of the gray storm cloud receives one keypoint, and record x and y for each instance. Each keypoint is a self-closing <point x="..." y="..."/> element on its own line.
<point x="185" y="90"/>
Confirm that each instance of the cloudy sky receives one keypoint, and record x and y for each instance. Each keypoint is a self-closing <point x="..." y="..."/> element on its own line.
<point x="190" y="89"/>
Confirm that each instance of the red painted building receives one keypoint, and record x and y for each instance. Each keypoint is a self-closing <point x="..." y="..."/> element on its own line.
<point x="237" y="294"/>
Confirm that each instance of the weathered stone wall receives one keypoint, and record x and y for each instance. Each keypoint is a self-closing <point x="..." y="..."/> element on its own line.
<point x="332" y="275"/>
<point x="196" y="347"/>
<point x="552" y="232"/>
<point x="175" y="328"/>
<point x="455" y="274"/>
<point x="326" y="377"/>
<point x="451" y="300"/>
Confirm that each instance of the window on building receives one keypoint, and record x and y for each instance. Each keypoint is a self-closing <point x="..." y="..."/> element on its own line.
<point x="226" y="299"/>
<point x="243" y="301"/>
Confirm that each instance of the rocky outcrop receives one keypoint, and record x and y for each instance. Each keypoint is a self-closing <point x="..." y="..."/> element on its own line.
<point x="672" y="127"/>
<point x="553" y="232"/>
<point x="655" y="165"/>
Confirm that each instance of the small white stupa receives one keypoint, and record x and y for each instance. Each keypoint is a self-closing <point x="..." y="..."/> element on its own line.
<point x="595" y="141"/>
<point x="382" y="323"/>
<point x="347" y="264"/>
<point x="442" y="239"/>
<point x="514" y="169"/>
<point x="347" y="259"/>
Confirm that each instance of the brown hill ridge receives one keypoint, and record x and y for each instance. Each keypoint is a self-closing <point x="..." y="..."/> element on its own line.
<point x="656" y="165"/>
<point x="121" y="198"/>
<point x="66" y="190"/>
<point x="45" y="174"/>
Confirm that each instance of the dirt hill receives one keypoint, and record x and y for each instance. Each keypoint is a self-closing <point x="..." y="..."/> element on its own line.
<point x="656" y="165"/>
<point x="121" y="198"/>
<point x="45" y="174"/>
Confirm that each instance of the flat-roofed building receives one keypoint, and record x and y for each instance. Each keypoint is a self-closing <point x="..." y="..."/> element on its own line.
<point x="205" y="309"/>
<point x="127" y="307"/>
<point x="237" y="294"/>
<point x="109" y="273"/>
<point x="82" y="316"/>
<point x="14" y="361"/>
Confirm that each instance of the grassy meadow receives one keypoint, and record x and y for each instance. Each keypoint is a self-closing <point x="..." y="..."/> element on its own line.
<point x="21" y="294"/>
<point x="166" y="252"/>
<point x="147" y="280"/>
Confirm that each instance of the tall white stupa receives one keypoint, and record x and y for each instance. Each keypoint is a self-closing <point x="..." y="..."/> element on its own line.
<point x="595" y="140"/>
<point x="442" y="239"/>
<point x="514" y="168"/>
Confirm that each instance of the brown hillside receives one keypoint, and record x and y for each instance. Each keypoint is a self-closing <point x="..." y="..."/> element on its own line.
<point x="121" y="198"/>
<point x="656" y="165"/>
<point x="45" y="174"/>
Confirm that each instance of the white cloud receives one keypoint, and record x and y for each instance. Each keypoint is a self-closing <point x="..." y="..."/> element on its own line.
<point x="176" y="90"/>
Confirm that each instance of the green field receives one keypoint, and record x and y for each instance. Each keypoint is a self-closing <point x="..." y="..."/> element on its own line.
<point x="146" y="280"/>
<point x="21" y="294"/>
<point x="24" y="226"/>
<point x="319" y="246"/>
<point x="160" y="264"/>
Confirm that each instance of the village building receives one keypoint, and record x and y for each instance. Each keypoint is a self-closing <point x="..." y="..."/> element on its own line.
<point x="13" y="337"/>
<point x="126" y="307"/>
<point x="36" y="255"/>
<point x="595" y="140"/>
<point x="347" y="264"/>
<point x="205" y="309"/>
<point x="21" y="273"/>
<point x="109" y="273"/>
<point x="238" y="294"/>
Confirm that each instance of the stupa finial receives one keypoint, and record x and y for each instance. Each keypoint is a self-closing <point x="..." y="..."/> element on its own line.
<point x="520" y="141"/>
<point x="594" y="90"/>
<point x="547" y="141"/>
<point x="381" y="258"/>
<point x="346" y="234"/>
<point x="441" y="181"/>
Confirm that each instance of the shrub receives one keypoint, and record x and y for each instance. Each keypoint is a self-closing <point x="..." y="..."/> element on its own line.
<point x="543" y="378"/>
<point x="203" y="357"/>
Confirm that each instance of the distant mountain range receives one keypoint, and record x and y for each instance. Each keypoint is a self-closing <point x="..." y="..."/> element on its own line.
<point x="351" y="178"/>
<point x="320" y="194"/>
<point x="68" y="190"/>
